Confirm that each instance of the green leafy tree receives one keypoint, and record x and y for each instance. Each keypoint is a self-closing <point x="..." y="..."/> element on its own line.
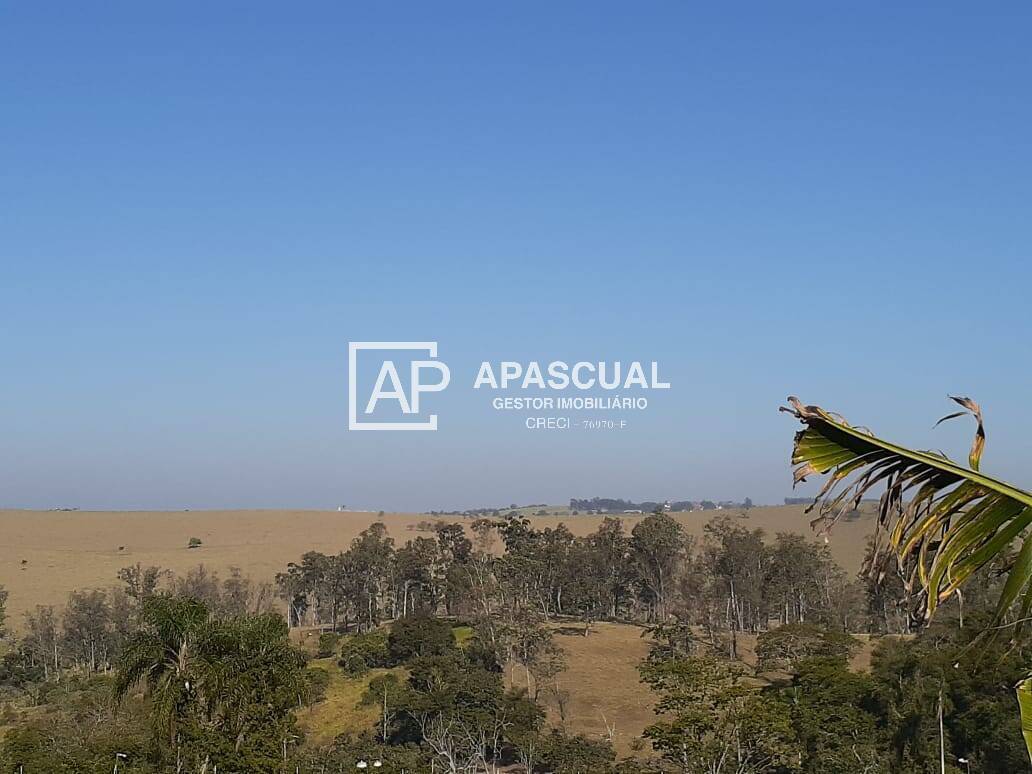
<point x="524" y="721"/>
<point x="837" y="719"/>
<point x="658" y="545"/>
<point x="564" y="754"/>
<point x="348" y="750"/>
<point x="974" y="687"/>
<point x="221" y="692"/>
<point x="459" y="710"/>
<point x="169" y="657"/>
<point x="386" y="692"/>
<point x="786" y="646"/>
<point x="419" y="635"/>
<point x="364" y="651"/>
<point x="76" y="731"/>
<point x="712" y="722"/>
<point x="371" y="563"/>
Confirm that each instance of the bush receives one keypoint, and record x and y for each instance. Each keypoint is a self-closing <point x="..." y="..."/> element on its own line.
<point x="419" y="635"/>
<point x="328" y="644"/>
<point x="17" y="670"/>
<point x="354" y="665"/>
<point x="361" y="652"/>
<point x="318" y="680"/>
<point x="564" y="754"/>
<point x="194" y="542"/>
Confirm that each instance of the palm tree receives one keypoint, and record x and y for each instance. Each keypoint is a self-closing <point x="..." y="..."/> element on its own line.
<point x="169" y="655"/>
<point x="943" y="521"/>
<point x="255" y="671"/>
<point x="214" y="684"/>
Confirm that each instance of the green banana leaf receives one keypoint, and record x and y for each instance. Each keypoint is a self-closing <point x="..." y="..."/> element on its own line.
<point x="1024" y="691"/>
<point x="942" y="521"/>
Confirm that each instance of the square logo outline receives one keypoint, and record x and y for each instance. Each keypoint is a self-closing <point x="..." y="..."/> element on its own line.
<point x="354" y="347"/>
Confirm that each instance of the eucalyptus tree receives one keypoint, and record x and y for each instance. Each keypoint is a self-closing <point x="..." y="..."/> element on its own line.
<point x="658" y="546"/>
<point x="87" y="630"/>
<point x="42" y="639"/>
<point x="290" y="586"/>
<point x="372" y="563"/>
<point x="739" y="564"/>
<point x="201" y="583"/>
<point x="610" y="550"/>
<point x="420" y="575"/>
<point x="456" y="555"/>
<point x="141" y="582"/>
<point x="3" y="610"/>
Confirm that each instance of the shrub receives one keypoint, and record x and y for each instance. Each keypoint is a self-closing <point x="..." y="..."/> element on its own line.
<point x="328" y="644"/>
<point x="419" y="635"/>
<point x="18" y="670"/>
<point x="194" y="542"/>
<point x="318" y="680"/>
<point x="361" y="652"/>
<point x="564" y="754"/>
<point x="354" y="665"/>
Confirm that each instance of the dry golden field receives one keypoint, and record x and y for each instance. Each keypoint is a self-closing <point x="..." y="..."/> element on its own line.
<point x="46" y="554"/>
<point x="605" y="699"/>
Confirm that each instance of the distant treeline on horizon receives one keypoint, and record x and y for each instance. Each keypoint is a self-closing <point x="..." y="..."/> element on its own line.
<point x="599" y="505"/>
<point x="610" y="505"/>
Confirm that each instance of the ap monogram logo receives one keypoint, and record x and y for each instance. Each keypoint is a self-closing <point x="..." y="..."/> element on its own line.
<point x="387" y="381"/>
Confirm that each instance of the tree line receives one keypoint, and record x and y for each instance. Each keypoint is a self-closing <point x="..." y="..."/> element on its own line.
<point x="735" y="579"/>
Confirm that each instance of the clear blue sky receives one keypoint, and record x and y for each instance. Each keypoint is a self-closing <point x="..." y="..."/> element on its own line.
<point x="200" y="207"/>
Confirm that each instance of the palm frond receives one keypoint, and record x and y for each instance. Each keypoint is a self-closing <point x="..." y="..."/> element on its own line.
<point x="136" y="663"/>
<point x="943" y="521"/>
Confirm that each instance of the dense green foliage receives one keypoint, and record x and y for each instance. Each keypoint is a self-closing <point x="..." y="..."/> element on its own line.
<point x="221" y="691"/>
<point x="363" y="651"/>
<point x="826" y="718"/>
